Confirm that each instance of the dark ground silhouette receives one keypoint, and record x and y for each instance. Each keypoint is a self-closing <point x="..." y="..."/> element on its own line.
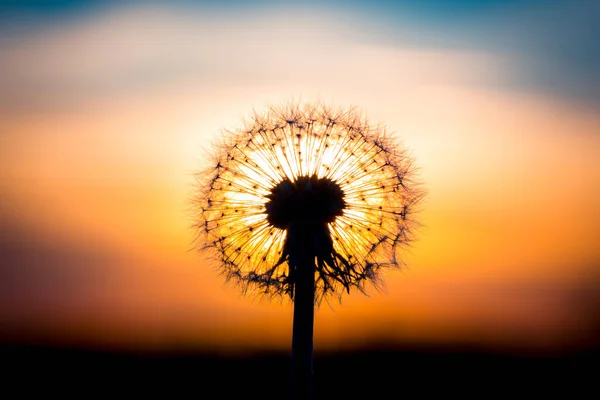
<point x="382" y="373"/>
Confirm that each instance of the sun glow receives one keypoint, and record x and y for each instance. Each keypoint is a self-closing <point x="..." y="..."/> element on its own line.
<point x="265" y="175"/>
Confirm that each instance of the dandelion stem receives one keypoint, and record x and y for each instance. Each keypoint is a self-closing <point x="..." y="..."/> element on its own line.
<point x="306" y="202"/>
<point x="302" y="331"/>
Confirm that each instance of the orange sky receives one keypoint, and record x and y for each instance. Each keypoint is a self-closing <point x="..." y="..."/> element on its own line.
<point x="95" y="191"/>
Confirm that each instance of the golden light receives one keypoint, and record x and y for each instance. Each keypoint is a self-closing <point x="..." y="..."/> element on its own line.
<point x="305" y="146"/>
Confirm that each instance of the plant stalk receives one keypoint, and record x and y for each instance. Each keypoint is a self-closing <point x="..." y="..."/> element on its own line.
<point x="302" y="331"/>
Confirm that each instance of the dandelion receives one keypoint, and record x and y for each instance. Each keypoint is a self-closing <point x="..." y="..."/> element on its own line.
<point x="306" y="202"/>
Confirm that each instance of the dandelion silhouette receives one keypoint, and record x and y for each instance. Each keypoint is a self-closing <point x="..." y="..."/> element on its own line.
<point x="307" y="202"/>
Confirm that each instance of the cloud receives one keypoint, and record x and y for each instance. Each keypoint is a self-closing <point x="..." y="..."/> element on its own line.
<point x="135" y="49"/>
<point x="127" y="48"/>
<point x="556" y="46"/>
<point x="45" y="282"/>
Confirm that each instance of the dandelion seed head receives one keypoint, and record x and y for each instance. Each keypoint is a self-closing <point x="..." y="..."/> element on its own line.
<point x="307" y="178"/>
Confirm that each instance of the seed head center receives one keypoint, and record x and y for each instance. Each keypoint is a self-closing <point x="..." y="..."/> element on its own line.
<point x="308" y="200"/>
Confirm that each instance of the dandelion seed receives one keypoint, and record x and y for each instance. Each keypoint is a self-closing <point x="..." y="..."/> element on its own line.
<point x="301" y="166"/>
<point x="306" y="202"/>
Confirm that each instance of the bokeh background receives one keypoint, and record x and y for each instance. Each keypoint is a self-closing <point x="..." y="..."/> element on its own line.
<point x="109" y="108"/>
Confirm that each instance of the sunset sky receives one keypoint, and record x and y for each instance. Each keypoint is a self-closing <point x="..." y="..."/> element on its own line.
<point x="108" y="109"/>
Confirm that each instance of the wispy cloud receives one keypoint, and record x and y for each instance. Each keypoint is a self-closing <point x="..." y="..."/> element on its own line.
<point x="139" y="48"/>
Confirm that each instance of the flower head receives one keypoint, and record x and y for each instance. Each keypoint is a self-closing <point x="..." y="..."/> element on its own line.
<point x="304" y="180"/>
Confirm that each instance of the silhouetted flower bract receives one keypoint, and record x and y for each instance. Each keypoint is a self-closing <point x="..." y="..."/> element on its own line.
<point x="307" y="179"/>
